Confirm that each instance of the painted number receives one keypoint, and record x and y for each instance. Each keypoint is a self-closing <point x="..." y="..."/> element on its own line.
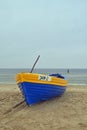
<point x="44" y="78"/>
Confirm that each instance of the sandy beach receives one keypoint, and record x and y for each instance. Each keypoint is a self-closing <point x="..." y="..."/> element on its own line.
<point x="68" y="112"/>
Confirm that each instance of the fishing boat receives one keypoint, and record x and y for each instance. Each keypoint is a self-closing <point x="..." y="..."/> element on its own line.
<point x="39" y="87"/>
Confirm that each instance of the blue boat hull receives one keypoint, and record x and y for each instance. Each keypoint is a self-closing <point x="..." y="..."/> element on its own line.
<point x="37" y="92"/>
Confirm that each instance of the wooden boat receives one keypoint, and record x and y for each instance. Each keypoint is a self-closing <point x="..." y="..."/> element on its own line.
<point x="38" y="87"/>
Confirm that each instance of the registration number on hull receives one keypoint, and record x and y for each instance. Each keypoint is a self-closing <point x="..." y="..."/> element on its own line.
<point x="45" y="78"/>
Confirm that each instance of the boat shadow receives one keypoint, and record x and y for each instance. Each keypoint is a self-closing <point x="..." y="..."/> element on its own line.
<point x="22" y="106"/>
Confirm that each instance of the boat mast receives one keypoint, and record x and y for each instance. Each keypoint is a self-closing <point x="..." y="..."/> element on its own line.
<point x="35" y="64"/>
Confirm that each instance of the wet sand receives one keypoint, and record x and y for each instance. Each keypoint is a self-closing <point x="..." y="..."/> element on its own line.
<point x="68" y="112"/>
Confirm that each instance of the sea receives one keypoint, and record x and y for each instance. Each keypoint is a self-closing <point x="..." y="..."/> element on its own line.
<point x="74" y="76"/>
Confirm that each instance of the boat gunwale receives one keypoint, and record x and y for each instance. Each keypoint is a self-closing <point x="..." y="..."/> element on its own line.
<point x="21" y="77"/>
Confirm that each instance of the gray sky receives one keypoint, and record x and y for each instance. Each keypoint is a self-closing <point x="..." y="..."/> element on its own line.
<point x="55" y="29"/>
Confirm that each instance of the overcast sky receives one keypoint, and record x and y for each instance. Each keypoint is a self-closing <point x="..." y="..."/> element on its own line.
<point x="55" y="29"/>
